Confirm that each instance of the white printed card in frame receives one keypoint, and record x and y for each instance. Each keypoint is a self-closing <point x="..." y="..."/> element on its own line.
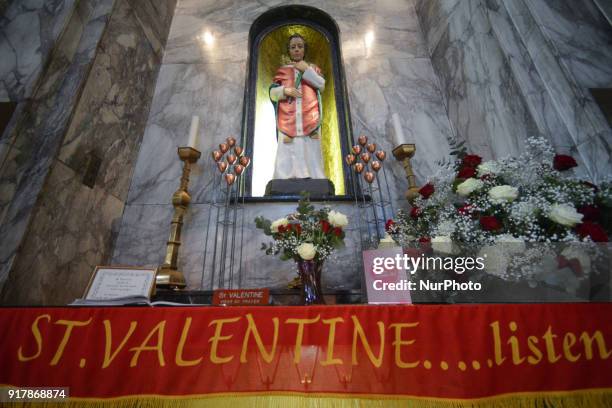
<point x="114" y="282"/>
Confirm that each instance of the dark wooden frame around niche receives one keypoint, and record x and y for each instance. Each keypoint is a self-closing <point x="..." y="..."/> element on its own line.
<point x="321" y="21"/>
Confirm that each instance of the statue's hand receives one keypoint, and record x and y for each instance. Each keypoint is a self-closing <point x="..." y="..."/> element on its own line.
<point x="289" y="91"/>
<point x="302" y="65"/>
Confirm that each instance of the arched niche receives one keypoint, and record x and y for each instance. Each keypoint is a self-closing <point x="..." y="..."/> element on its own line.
<point x="267" y="46"/>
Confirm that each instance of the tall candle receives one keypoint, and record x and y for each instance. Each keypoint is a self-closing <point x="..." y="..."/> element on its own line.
<point x="193" y="132"/>
<point x="397" y="127"/>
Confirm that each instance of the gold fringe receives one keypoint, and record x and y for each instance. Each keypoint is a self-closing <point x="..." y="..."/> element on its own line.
<point x="571" y="399"/>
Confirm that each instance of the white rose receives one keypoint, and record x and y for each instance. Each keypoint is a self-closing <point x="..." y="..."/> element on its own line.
<point x="280" y="222"/>
<point x="337" y="219"/>
<point x="469" y="186"/>
<point x="573" y="252"/>
<point x="307" y="251"/>
<point x="565" y="214"/>
<point x="502" y="194"/>
<point x="510" y="244"/>
<point x="489" y="167"/>
<point x="443" y="244"/>
<point x="495" y="260"/>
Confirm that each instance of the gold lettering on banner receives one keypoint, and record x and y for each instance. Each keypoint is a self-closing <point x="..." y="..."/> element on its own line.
<point x="549" y="338"/>
<point x="109" y="354"/>
<point x="214" y="357"/>
<point x="159" y="330"/>
<point x="532" y="344"/>
<point x="588" y="345"/>
<point x="297" y="354"/>
<point x="398" y="343"/>
<point x="252" y="329"/>
<point x="568" y="341"/>
<point x="358" y="332"/>
<point x="37" y="338"/>
<point x="178" y="358"/>
<point x="499" y="358"/>
<point x="514" y="345"/>
<point x="70" y="324"/>
<point x="329" y="356"/>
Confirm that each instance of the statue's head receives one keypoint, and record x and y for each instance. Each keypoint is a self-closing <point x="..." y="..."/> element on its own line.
<point x="296" y="47"/>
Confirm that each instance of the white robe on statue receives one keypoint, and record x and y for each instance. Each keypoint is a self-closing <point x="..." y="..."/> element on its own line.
<point x="300" y="156"/>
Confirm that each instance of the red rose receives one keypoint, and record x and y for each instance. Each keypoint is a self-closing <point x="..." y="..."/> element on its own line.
<point x="427" y="190"/>
<point x="573" y="264"/>
<point x="388" y="225"/>
<point x="424" y="240"/>
<point x="298" y="229"/>
<point x="591" y="213"/>
<point x="490" y="223"/>
<point x="595" y="231"/>
<point x="325" y="226"/>
<point x="415" y="212"/>
<point x="471" y="160"/>
<point x="338" y="232"/>
<point x="466" y="172"/>
<point x="282" y="229"/>
<point x="563" y="162"/>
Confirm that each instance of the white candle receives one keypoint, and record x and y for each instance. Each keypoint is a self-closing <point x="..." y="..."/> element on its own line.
<point x="193" y="132"/>
<point x="397" y="127"/>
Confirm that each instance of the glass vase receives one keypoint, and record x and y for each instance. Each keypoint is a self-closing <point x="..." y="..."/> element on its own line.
<point x="310" y="275"/>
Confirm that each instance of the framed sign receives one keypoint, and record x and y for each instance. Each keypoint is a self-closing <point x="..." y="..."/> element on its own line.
<point x="114" y="282"/>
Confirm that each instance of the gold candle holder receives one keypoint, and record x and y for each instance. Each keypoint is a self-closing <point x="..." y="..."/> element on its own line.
<point x="168" y="275"/>
<point x="404" y="153"/>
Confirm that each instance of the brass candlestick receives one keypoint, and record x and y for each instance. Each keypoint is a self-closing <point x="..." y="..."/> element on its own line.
<point x="404" y="153"/>
<point x="169" y="276"/>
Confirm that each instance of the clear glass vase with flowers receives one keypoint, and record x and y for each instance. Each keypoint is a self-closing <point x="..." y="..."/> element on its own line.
<point x="308" y="237"/>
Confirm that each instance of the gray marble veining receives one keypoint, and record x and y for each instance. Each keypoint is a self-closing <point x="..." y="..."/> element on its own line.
<point x="28" y="32"/>
<point x="114" y="105"/>
<point x="213" y="92"/>
<point x="484" y="101"/>
<point x="37" y="135"/>
<point x="581" y="38"/>
<point x="62" y="255"/>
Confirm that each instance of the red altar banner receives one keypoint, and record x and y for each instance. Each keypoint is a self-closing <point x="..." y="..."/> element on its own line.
<point x="450" y="355"/>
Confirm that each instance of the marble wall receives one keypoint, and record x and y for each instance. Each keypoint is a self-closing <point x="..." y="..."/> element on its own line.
<point x="28" y="32"/>
<point x="511" y="69"/>
<point x="66" y="226"/>
<point x="394" y="76"/>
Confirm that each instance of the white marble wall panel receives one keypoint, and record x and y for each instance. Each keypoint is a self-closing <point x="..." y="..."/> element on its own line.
<point x="434" y="18"/>
<point x="581" y="38"/>
<point x="576" y="108"/>
<point x="393" y="75"/>
<point x="484" y="101"/>
<point x="28" y="32"/>
<point x="211" y="91"/>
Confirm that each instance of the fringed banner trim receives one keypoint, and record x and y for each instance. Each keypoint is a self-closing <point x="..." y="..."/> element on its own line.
<point x="569" y="399"/>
